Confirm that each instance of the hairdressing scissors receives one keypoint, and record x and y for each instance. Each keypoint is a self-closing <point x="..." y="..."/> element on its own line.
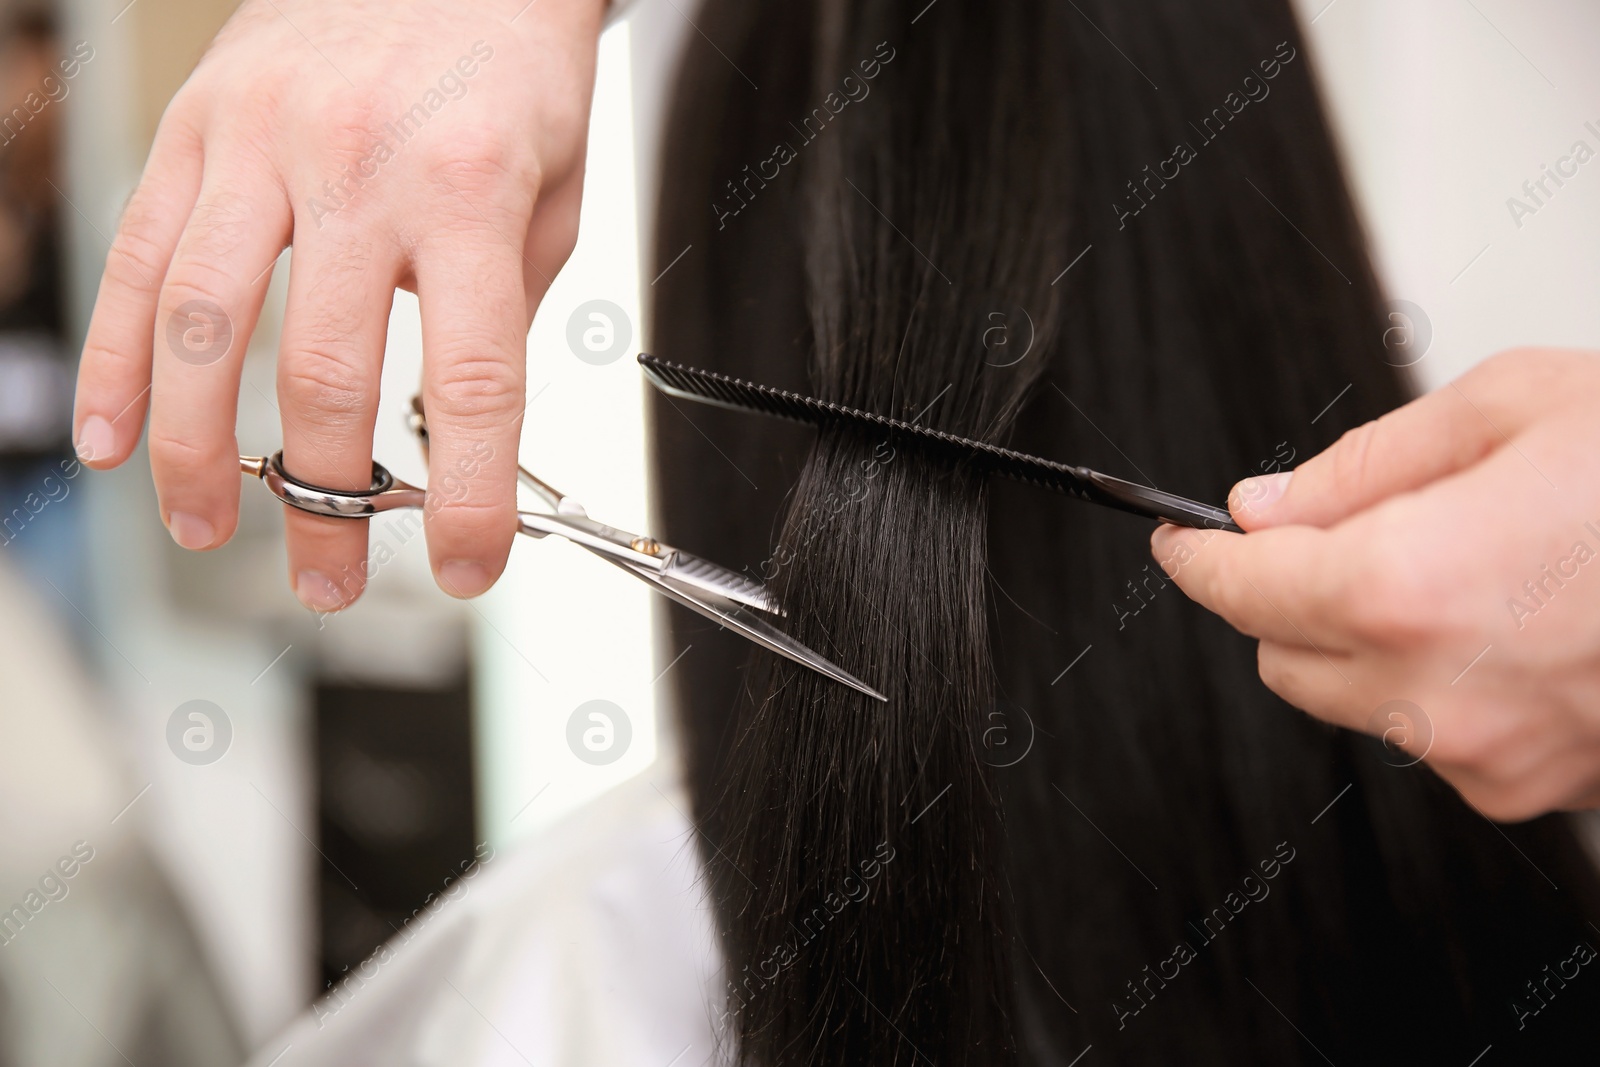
<point x="726" y="597"/>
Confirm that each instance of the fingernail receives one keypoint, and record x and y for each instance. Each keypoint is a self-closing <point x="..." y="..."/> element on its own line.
<point x="464" y="578"/>
<point x="190" y="531"/>
<point x="1259" y="494"/>
<point x="317" y="591"/>
<point x="96" y="439"/>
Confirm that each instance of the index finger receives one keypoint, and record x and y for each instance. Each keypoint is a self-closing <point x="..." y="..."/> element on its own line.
<point x="114" y="375"/>
<point x="1274" y="585"/>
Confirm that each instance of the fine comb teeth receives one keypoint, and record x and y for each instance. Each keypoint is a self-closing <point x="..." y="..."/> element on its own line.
<point x="709" y="387"/>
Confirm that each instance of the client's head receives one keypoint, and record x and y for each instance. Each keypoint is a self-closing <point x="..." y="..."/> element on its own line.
<point x="1016" y="235"/>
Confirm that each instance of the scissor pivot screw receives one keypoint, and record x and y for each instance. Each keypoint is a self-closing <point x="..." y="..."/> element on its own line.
<point x="647" y="545"/>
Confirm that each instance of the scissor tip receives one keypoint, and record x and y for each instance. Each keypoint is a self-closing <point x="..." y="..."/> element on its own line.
<point x="863" y="688"/>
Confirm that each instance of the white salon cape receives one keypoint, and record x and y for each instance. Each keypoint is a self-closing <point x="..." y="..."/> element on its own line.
<point x="591" y="944"/>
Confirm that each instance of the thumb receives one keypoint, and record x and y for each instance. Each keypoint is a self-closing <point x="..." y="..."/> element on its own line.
<point x="1427" y="439"/>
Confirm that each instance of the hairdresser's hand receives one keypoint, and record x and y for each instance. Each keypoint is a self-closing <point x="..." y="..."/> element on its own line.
<point x="416" y="143"/>
<point x="1448" y="555"/>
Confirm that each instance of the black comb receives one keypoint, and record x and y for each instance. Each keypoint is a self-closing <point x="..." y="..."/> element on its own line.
<point x="708" y="387"/>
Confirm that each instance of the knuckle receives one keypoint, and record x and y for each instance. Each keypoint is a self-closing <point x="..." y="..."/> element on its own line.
<point x="231" y="116"/>
<point x="179" y="456"/>
<point x="326" y="384"/>
<point x="184" y="116"/>
<point x="462" y="511"/>
<point x="1351" y="454"/>
<point x="486" y="522"/>
<point x="1488" y="800"/>
<point x="196" y="279"/>
<point x="1506" y="803"/>
<point x="1273" y="666"/>
<point x="480" y="160"/>
<point x="469" y="150"/>
<point x="478" y="391"/>
<point x="1508" y="770"/>
<point x="565" y="237"/>
<point x="1477" y="743"/>
<point x="1230" y="589"/>
<point x="354" y="120"/>
<point x="1454" y="746"/>
<point x="136" y="260"/>
<point x="221" y="221"/>
<point x="114" y="363"/>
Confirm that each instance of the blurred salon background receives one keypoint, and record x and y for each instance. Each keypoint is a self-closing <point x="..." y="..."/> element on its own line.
<point x="213" y="803"/>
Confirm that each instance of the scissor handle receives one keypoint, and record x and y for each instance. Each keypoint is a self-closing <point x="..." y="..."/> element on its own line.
<point x="386" y="493"/>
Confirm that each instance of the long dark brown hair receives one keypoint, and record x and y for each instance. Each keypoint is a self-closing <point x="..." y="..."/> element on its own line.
<point x="1107" y="232"/>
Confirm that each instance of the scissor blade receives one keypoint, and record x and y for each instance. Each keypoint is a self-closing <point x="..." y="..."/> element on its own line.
<point x="751" y="627"/>
<point x="684" y="568"/>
